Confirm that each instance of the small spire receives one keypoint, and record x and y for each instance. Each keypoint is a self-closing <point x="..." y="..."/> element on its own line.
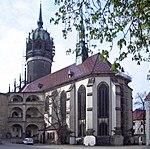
<point x="15" y="85"/>
<point x="20" y="82"/>
<point x="40" y="22"/>
<point x="81" y="49"/>
<point x="25" y="79"/>
<point x="82" y="30"/>
<point x="9" y="89"/>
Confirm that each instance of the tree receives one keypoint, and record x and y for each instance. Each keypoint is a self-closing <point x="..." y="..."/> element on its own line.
<point x="140" y="100"/>
<point x="55" y="109"/>
<point x="122" y="22"/>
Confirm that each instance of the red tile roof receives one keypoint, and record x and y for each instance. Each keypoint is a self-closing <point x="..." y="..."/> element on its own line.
<point x="148" y="97"/>
<point x="91" y="66"/>
<point x="139" y="114"/>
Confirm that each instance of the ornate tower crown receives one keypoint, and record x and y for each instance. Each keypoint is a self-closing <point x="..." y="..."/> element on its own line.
<point x="40" y="51"/>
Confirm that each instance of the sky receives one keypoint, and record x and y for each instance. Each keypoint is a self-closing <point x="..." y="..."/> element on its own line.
<point x="19" y="17"/>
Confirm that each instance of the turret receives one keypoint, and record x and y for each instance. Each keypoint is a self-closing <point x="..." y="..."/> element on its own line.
<point x="40" y="51"/>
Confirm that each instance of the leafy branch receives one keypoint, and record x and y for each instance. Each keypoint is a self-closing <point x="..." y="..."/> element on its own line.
<point x="110" y="21"/>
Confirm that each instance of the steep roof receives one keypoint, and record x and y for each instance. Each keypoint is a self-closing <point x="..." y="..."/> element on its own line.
<point x="139" y="114"/>
<point x="148" y="97"/>
<point x="92" y="65"/>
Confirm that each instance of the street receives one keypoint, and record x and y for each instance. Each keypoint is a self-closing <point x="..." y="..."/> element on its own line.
<point x="41" y="146"/>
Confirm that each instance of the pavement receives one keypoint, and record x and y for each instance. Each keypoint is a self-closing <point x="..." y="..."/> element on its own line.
<point x="94" y="147"/>
<point x="50" y="146"/>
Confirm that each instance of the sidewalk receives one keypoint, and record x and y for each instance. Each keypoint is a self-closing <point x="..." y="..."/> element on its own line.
<point x="95" y="147"/>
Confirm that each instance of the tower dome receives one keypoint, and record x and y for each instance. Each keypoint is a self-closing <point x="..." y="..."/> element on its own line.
<point x="40" y="51"/>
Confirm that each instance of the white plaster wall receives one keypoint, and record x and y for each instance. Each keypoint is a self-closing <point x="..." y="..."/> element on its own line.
<point x="137" y="127"/>
<point x="78" y="84"/>
<point x="91" y="116"/>
<point x="113" y="111"/>
<point x="97" y="81"/>
<point x="49" y="93"/>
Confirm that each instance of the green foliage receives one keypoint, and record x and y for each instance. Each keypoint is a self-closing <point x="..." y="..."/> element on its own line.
<point x="125" y="22"/>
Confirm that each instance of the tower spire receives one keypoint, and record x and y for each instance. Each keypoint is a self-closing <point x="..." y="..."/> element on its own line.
<point x="39" y="42"/>
<point x="81" y="49"/>
<point x="40" y="22"/>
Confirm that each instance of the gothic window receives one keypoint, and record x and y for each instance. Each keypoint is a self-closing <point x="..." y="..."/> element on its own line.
<point x="47" y="105"/>
<point x="63" y="106"/>
<point x="102" y="109"/>
<point x="102" y="129"/>
<point x="48" y="135"/>
<point x="103" y="101"/>
<point x="81" y="110"/>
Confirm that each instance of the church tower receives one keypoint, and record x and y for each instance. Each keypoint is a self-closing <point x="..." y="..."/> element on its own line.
<point x="40" y="51"/>
<point x="81" y="48"/>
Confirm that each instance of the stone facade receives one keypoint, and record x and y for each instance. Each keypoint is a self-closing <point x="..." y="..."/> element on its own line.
<point x="25" y="116"/>
<point x="116" y="131"/>
<point x="3" y="114"/>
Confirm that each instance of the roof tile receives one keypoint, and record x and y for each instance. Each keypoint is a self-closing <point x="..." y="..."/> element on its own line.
<point x="90" y="66"/>
<point x="139" y="114"/>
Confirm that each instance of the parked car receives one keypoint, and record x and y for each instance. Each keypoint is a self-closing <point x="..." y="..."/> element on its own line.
<point x="28" y="141"/>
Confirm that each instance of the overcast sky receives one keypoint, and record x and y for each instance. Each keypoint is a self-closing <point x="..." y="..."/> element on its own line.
<point x="18" y="18"/>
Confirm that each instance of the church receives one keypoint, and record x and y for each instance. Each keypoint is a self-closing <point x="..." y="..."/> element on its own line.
<point x="86" y="98"/>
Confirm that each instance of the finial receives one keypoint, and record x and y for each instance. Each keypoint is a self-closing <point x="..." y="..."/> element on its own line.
<point x="9" y="89"/>
<point x="20" y="82"/>
<point x="40" y="22"/>
<point x="15" y="85"/>
<point x="25" y="78"/>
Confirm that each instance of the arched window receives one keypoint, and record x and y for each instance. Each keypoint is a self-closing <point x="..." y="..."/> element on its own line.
<point x="15" y="114"/>
<point x="102" y="109"/>
<point x="47" y="104"/>
<point x="103" y="101"/>
<point x="81" y="110"/>
<point x="102" y="129"/>
<point x="16" y="130"/>
<point x="33" y="112"/>
<point x="32" y="98"/>
<point x="63" y="106"/>
<point x="16" y="98"/>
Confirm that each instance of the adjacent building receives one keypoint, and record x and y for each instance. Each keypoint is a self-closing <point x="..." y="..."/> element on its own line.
<point x="147" y="100"/>
<point x="139" y="126"/>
